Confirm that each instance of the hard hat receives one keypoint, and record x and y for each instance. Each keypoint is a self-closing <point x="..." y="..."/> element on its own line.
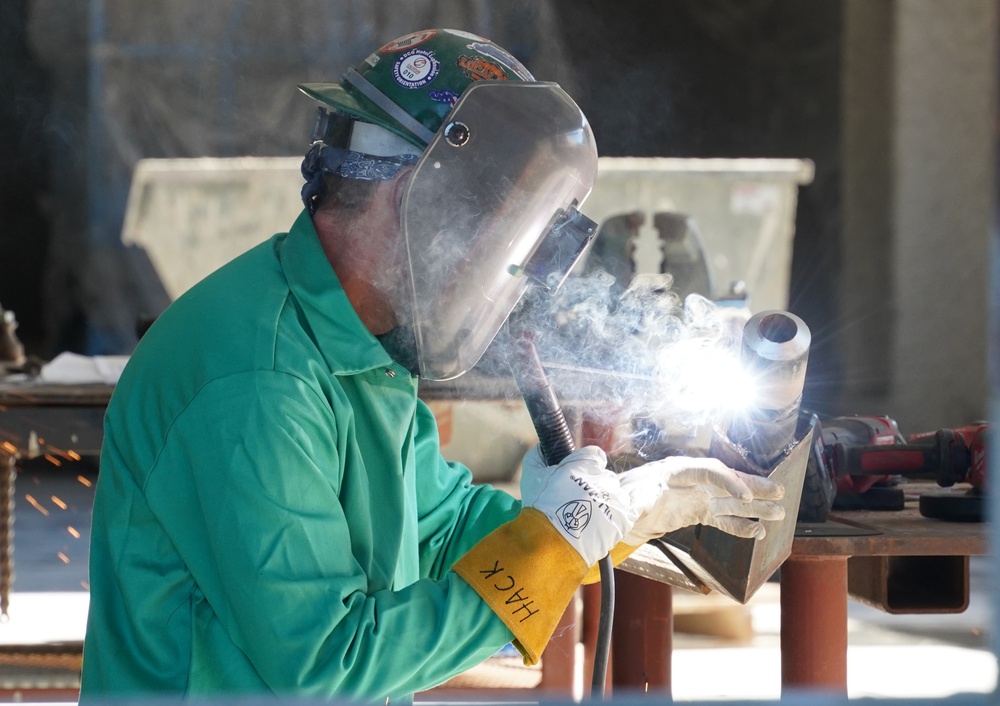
<point x="411" y="84"/>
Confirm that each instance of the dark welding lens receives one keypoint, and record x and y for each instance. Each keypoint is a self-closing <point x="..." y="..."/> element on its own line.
<point x="457" y="134"/>
<point x="568" y="238"/>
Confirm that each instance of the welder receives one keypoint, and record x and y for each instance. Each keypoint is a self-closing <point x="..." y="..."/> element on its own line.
<point x="273" y="514"/>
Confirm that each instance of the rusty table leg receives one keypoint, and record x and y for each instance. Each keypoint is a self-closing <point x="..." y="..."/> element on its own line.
<point x="642" y="641"/>
<point x="814" y="624"/>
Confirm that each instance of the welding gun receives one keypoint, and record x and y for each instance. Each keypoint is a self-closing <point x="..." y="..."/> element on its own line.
<point x="556" y="443"/>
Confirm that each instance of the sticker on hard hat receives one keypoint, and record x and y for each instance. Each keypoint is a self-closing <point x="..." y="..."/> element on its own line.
<point x="408" y="41"/>
<point x="481" y="70"/>
<point x="443" y="96"/>
<point x="415" y="68"/>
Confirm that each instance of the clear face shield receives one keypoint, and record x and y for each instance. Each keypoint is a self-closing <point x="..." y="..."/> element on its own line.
<point x="490" y="209"/>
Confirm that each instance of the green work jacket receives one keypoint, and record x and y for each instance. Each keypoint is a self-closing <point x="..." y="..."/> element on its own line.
<point x="272" y="513"/>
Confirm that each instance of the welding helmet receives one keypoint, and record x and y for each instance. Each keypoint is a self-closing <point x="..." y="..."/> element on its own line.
<point x="491" y="205"/>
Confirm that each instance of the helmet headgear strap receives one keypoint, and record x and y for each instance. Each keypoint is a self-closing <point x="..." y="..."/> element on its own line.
<point x="322" y="159"/>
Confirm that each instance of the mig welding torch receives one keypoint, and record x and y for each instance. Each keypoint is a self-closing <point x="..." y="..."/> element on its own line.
<point x="556" y="443"/>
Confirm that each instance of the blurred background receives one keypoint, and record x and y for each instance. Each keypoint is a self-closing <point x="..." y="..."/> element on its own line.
<point x="894" y="101"/>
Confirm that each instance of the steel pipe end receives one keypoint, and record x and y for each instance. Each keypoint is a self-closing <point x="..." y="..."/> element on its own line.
<point x="776" y="350"/>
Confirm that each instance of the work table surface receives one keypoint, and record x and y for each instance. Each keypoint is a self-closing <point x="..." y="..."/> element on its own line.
<point x="892" y="532"/>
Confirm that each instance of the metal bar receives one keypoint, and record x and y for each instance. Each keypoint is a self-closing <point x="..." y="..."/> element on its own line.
<point x="814" y="624"/>
<point x="910" y="584"/>
<point x="643" y="639"/>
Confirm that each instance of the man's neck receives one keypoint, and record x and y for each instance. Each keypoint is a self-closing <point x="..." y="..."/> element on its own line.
<point x="348" y="246"/>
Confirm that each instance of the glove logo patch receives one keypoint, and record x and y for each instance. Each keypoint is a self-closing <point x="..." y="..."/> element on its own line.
<point x="574" y="516"/>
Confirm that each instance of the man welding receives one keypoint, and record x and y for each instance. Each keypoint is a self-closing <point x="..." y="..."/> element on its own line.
<point x="273" y="515"/>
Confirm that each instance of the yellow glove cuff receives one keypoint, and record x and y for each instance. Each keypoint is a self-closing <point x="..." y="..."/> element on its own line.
<point x="527" y="574"/>
<point x="620" y="553"/>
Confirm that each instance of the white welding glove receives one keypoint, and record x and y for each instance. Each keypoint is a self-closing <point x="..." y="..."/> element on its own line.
<point x="581" y="498"/>
<point x="680" y="491"/>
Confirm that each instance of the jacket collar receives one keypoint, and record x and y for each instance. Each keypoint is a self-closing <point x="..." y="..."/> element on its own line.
<point x="346" y="345"/>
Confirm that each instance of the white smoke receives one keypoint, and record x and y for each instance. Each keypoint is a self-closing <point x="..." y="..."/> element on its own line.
<point x="638" y="358"/>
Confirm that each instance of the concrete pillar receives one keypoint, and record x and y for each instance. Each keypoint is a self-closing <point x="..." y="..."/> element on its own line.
<point x="945" y="92"/>
<point x="867" y="308"/>
<point x="920" y="83"/>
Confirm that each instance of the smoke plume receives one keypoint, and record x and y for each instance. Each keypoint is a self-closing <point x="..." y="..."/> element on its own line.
<point x="638" y="358"/>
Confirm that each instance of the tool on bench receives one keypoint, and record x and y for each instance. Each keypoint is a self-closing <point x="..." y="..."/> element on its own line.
<point x="828" y="483"/>
<point x="863" y="454"/>
<point x="948" y="456"/>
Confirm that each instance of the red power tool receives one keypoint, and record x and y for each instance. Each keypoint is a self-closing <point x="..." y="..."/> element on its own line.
<point x="829" y="485"/>
<point x="957" y="456"/>
<point x="862" y="455"/>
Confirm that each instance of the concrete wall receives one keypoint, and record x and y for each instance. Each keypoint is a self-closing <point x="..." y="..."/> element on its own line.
<point x="919" y="111"/>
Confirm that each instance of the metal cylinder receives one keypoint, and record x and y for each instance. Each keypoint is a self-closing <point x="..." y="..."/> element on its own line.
<point x="814" y="604"/>
<point x="643" y="640"/>
<point x="774" y="351"/>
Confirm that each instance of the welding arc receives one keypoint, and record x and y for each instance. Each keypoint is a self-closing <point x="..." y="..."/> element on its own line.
<point x="556" y="442"/>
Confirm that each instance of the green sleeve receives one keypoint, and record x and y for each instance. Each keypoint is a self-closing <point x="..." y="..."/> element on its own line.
<point x="454" y="514"/>
<point x="252" y="508"/>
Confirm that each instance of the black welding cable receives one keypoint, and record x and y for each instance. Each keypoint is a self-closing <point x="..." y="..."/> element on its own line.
<point x="556" y="442"/>
<point x="602" y="651"/>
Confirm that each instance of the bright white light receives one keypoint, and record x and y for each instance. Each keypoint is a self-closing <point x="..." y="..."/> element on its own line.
<point x="709" y="379"/>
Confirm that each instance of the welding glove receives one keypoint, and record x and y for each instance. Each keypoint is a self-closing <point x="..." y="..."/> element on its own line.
<point x="527" y="570"/>
<point x="680" y="491"/>
<point x="581" y="498"/>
